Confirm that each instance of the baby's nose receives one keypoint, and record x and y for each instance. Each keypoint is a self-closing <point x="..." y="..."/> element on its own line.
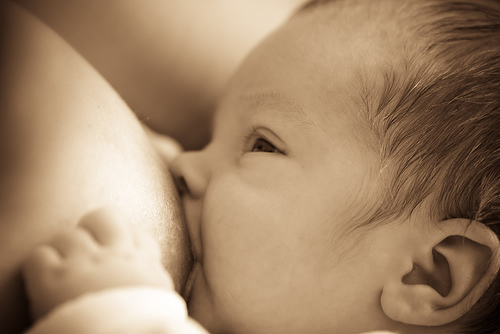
<point x="190" y="174"/>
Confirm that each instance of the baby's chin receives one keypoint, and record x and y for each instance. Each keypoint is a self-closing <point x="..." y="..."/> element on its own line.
<point x="200" y="302"/>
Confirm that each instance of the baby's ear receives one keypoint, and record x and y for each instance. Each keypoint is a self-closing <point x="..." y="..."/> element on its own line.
<point x="454" y="263"/>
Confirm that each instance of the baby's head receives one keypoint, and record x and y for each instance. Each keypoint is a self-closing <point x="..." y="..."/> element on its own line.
<point x="353" y="179"/>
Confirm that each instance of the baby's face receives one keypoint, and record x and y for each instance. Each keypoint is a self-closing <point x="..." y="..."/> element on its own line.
<point x="272" y="201"/>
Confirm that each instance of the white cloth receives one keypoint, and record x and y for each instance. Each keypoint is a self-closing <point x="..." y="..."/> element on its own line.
<point x="130" y="310"/>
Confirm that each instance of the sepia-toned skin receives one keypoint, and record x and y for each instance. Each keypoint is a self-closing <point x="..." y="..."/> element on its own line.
<point x="69" y="144"/>
<point x="278" y="204"/>
<point x="272" y="202"/>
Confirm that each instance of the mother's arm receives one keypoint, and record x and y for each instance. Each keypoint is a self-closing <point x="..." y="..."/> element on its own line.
<point x="69" y="144"/>
<point x="168" y="59"/>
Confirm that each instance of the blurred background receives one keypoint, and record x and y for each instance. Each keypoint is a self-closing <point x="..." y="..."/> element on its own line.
<point x="168" y="59"/>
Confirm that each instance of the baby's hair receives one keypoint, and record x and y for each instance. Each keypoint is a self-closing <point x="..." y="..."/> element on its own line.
<point x="437" y="124"/>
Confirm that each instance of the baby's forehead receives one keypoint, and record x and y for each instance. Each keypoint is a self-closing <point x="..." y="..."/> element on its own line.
<point x="341" y="55"/>
<point x="390" y="25"/>
<point x="380" y="37"/>
<point x="359" y="12"/>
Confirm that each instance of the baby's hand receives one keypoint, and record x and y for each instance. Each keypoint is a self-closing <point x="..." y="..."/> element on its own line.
<point x="103" y="251"/>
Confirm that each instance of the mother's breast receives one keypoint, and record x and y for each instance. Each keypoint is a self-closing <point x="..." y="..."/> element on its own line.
<point x="69" y="144"/>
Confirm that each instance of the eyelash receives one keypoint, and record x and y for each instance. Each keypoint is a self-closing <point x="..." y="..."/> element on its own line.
<point x="254" y="137"/>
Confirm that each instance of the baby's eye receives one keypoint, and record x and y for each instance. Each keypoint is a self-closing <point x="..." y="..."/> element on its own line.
<point x="263" y="140"/>
<point x="262" y="145"/>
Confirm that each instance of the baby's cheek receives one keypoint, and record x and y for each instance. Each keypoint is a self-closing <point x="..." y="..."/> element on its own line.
<point x="239" y="228"/>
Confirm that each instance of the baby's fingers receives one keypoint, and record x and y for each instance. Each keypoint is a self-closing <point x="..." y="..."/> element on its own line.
<point x="73" y="242"/>
<point x="109" y="228"/>
<point x="42" y="258"/>
<point x="39" y="270"/>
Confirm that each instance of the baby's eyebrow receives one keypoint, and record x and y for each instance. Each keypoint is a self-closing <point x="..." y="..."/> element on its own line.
<point x="279" y="103"/>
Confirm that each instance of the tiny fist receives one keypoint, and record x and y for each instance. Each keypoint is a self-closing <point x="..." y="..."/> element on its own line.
<point x="108" y="225"/>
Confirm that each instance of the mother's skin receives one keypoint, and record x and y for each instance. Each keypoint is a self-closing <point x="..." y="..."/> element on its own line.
<point x="69" y="144"/>
<point x="168" y="59"/>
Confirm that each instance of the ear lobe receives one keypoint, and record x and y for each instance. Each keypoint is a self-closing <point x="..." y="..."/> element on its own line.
<point x="454" y="263"/>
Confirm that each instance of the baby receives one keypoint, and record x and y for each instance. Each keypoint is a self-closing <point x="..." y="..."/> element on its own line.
<point x="352" y="184"/>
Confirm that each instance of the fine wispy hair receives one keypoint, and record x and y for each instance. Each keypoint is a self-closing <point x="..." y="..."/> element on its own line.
<point x="436" y="120"/>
